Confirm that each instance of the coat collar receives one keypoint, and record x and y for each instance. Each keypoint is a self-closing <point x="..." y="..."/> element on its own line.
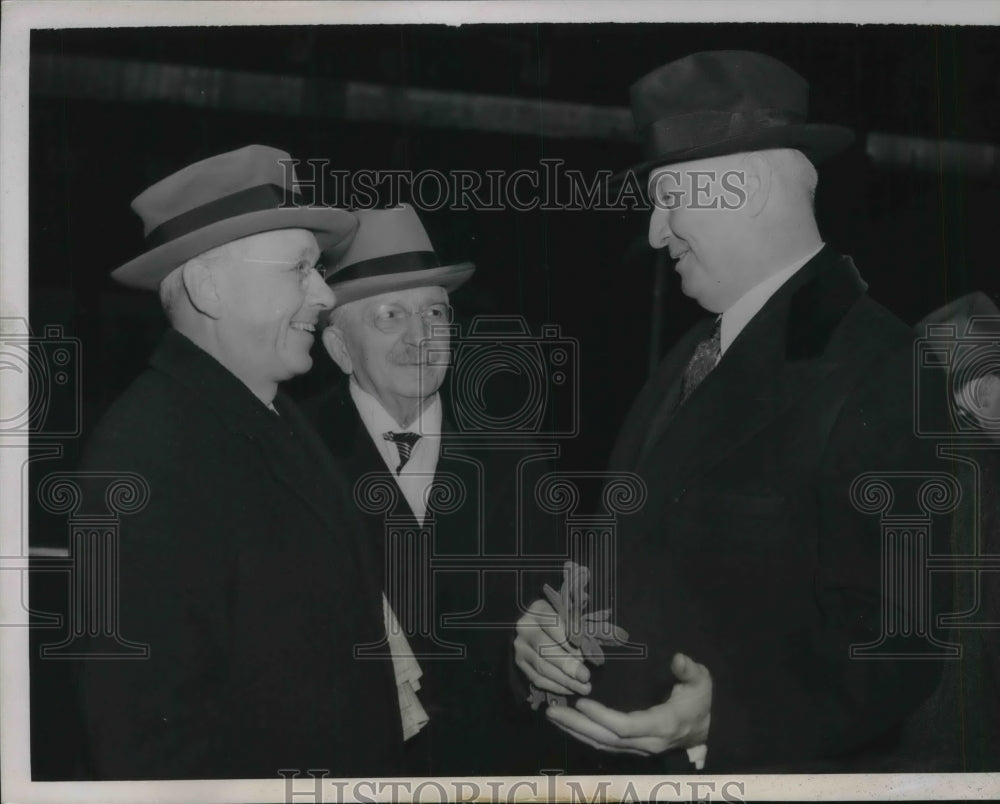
<point x="213" y="384"/>
<point x="337" y="420"/>
<point x="287" y="444"/>
<point x="780" y="354"/>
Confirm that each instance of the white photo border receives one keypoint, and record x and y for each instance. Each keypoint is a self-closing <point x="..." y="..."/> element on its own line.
<point x="19" y="17"/>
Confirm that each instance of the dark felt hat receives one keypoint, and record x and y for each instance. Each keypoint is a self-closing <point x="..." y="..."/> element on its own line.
<point x="724" y="102"/>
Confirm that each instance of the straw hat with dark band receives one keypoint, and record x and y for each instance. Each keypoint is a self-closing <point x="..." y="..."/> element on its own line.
<point x="221" y="199"/>
<point x="391" y="251"/>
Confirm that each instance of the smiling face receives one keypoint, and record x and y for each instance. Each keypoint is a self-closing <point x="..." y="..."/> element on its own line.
<point x="269" y="301"/>
<point x="698" y="215"/>
<point x="400" y="368"/>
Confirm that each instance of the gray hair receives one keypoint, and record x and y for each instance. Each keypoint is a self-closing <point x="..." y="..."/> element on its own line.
<point x="795" y="170"/>
<point x="172" y="290"/>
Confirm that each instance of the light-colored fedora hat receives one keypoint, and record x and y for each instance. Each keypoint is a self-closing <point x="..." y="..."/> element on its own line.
<point x="221" y="199"/>
<point x="391" y="251"/>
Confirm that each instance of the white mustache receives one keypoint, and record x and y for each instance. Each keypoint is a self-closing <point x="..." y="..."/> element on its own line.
<point x="437" y="358"/>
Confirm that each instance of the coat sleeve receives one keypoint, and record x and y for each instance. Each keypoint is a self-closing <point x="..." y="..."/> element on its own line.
<point x="810" y="700"/>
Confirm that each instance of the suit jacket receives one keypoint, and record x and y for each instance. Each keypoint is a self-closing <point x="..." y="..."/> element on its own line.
<point x="477" y="726"/>
<point x="245" y="577"/>
<point x="749" y="555"/>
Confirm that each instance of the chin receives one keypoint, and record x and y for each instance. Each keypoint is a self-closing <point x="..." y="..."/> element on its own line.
<point x="298" y="365"/>
<point x="424" y="386"/>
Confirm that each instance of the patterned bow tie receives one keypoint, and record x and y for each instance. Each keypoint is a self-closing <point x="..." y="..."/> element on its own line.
<point x="404" y="443"/>
<point x="705" y="356"/>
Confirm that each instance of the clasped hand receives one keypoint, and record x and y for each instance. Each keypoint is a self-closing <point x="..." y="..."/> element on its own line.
<point x="551" y="663"/>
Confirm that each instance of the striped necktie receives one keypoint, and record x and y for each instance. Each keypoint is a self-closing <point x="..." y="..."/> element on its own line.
<point x="706" y="355"/>
<point x="404" y="443"/>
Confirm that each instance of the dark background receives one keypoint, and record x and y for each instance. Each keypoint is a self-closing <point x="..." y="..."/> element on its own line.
<point x="919" y="236"/>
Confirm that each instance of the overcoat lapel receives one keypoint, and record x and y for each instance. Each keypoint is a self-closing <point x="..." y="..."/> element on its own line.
<point x="288" y="448"/>
<point x="342" y="430"/>
<point x="462" y="529"/>
<point x="339" y="426"/>
<point x="285" y="454"/>
<point x="322" y="484"/>
<point x="774" y="360"/>
<point x="656" y="400"/>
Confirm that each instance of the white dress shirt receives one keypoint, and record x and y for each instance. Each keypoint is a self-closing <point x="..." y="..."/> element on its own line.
<point x="413" y="480"/>
<point x="418" y="474"/>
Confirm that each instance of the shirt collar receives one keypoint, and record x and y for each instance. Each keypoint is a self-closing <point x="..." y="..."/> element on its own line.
<point x="750" y="303"/>
<point x="377" y="419"/>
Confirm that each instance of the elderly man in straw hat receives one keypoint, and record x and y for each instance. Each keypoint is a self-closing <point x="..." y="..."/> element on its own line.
<point x="749" y="575"/>
<point x="389" y="335"/>
<point x="242" y="574"/>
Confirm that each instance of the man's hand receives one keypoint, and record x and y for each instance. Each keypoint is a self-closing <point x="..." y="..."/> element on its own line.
<point x="679" y="722"/>
<point x="544" y="654"/>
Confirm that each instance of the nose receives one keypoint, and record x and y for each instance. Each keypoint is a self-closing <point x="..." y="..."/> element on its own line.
<point x="318" y="292"/>
<point x="416" y="329"/>
<point x="659" y="227"/>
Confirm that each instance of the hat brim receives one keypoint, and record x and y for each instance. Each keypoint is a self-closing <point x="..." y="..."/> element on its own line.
<point x="818" y="141"/>
<point x="333" y="229"/>
<point x="449" y="277"/>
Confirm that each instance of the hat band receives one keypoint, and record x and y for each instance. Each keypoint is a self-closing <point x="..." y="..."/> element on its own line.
<point x="389" y="264"/>
<point x="253" y="199"/>
<point x="687" y="131"/>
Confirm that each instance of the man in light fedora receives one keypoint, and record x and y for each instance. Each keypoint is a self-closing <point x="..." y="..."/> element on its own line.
<point x="243" y="574"/>
<point x="389" y="334"/>
<point x="750" y="574"/>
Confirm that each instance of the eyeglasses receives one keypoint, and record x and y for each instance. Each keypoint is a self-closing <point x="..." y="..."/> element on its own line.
<point x="394" y="318"/>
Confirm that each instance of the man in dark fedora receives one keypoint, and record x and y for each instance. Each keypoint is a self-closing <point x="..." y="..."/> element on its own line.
<point x="243" y="574"/>
<point x="390" y="336"/>
<point x="750" y="574"/>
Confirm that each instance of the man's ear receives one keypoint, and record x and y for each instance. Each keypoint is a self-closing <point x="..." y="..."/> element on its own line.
<point x="336" y="347"/>
<point x="756" y="182"/>
<point x="200" y="286"/>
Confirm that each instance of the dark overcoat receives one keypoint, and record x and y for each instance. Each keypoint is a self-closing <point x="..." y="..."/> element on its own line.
<point x="482" y="529"/>
<point x="750" y="555"/>
<point x="244" y="576"/>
